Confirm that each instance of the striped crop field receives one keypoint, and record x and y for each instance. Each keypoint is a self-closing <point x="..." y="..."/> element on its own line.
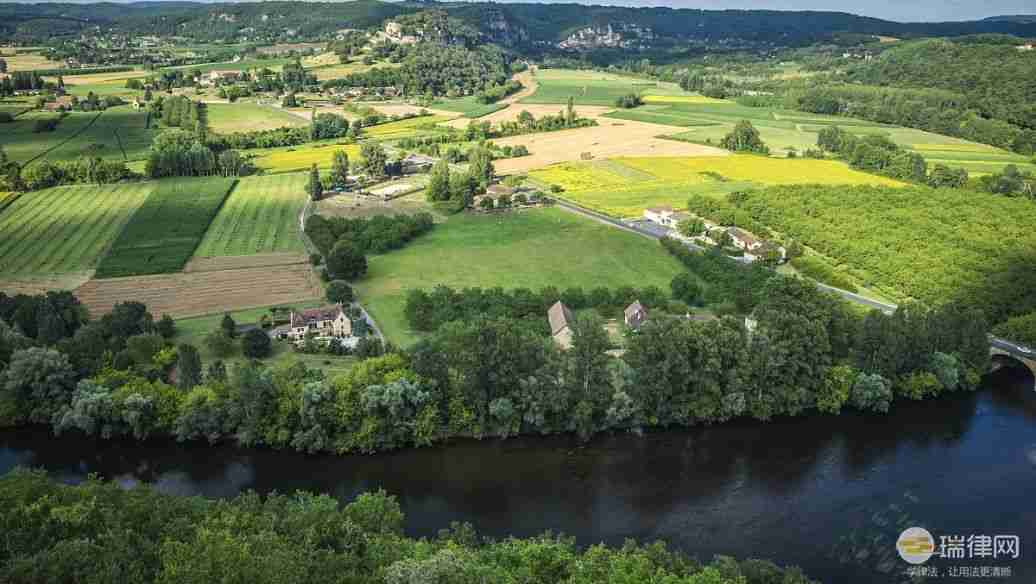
<point x="65" y="229"/>
<point x="165" y="231"/>
<point x="404" y="128"/>
<point x="260" y="216"/>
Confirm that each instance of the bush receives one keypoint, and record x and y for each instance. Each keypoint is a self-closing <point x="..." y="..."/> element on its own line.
<point x="346" y="261"/>
<point x="812" y="267"/>
<point x="339" y="292"/>
<point x="256" y="344"/>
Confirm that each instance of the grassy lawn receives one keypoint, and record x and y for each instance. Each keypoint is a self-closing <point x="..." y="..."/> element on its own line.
<point x="592" y="87"/>
<point x="194" y="330"/>
<point x="532" y="249"/>
<point x="624" y="187"/>
<point x="226" y="118"/>
<point x="65" y="229"/>
<point x="259" y="216"/>
<point x="167" y="228"/>
<point x="468" y="106"/>
<point x="296" y="158"/>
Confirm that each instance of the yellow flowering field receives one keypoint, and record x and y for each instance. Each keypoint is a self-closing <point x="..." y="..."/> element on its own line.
<point x="759" y="169"/>
<point x="402" y="128"/>
<point x="576" y="176"/>
<point x="302" y="157"/>
<point x="681" y="99"/>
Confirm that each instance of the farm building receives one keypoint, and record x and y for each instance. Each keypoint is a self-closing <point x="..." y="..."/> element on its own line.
<point x="660" y="215"/>
<point x="560" y="318"/>
<point x="635" y="315"/>
<point x="743" y="239"/>
<point x="60" y="104"/>
<point x="415" y="163"/>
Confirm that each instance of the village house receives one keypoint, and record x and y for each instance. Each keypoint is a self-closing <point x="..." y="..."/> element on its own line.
<point x="560" y="318"/>
<point x="744" y="240"/>
<point x="416" y="163"/>
<point x="213" y="77"/>
<point x="635" y="315"/>
<point x="660" y="215"/>
<point x="327" y="321"/>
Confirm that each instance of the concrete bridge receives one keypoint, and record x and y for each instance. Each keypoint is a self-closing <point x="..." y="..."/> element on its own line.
<point x="1007" y="354"/>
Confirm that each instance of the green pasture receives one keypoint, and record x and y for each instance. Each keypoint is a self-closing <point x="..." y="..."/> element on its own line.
<point x="260" y="216"/>
<point x="226" y="118"/>
<point x="592" y="87"/>
<point x="22" y="144"/>
<point x="65" y="229"/>
<point x="167" y="228"/>
<point x="273" y="64"/>
<point x="531" y="249"/>
<point x="119" y="134"/>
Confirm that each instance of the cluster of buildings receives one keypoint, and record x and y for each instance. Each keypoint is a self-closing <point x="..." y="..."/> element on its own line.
<point x="561" y="318"/>
<point x="503" y="196"/>
<point x="753" y="246"/>
<point x="620" y="35"/>
<point x="324" y="323"/>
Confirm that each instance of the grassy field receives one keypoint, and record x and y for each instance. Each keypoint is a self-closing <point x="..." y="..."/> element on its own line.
<point x="77" y="134"/>
<point x="274" y="64"/>
<point x="260" y="216"/>
<point x="468" y="106"/>
<point x="532" y="249"/>
<point x="225" y="118"/>
<point x="592" y="87"/>
<point x="15" y="106"/>
<point x="624" y="187"/>
<point x="782" y="130"/>
<point x="65" y="229"/>
<point x="25" y="59"/>
<point x="22" y="144"/>
<point x="298" y="158"/>
<point x="194" y="330"/>
<point x="167" y="228"/>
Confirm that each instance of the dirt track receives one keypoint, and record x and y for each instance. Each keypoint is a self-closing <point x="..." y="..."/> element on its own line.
<point x="610" y="138"/>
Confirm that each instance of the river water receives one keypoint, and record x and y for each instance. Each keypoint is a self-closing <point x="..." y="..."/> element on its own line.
<point x="828" y="493"/>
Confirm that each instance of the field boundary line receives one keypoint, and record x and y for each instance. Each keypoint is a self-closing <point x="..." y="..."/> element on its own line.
<point x="65" y="141"/>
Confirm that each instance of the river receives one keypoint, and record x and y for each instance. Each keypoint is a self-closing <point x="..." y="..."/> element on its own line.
<point x="828" y="493"/>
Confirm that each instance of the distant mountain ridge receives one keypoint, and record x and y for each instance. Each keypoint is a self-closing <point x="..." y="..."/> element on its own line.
<point x="519" y="26"/>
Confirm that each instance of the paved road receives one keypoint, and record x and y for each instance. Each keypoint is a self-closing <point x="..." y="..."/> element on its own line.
<point x="653" y="231"/>
<point x="1015" y="349"/>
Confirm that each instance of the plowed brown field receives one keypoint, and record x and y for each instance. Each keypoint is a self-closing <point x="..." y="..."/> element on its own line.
<point x="204" y="292"/>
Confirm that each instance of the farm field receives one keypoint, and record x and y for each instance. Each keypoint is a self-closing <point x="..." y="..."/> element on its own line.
<point x="930" y="245"/>
<point x="592" y="87"/>
<point x="260" y="216"/>
<point x="64" y="229"/>
<point x="196" y="293"/>
<point x="532" y="249"/>
<point x="782" y="130"/>
<point x="27" y="58"/>
<point x="167" y="228"/>
<point x="243" y="117"/>
<point x="274" y="64"/>
<point x="468" y="106"/>
<point x="405" y="128"/>
<point x="350" y="205"/>
<point x="22" y="144"/>
<point x="624" y="187"/>
<point x="119" y="134"/>
<point x="297" y="158"/>
<point x="15" y="106"/>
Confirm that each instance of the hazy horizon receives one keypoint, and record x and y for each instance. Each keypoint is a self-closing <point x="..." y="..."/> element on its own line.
<point x="895" y="10"/>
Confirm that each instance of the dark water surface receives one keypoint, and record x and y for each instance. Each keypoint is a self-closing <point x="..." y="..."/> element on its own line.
<point x="828" y="493"/>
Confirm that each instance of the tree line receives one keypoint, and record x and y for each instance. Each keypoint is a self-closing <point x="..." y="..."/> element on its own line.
<point x="879" y="155"/>
<point x="140" y="536"/>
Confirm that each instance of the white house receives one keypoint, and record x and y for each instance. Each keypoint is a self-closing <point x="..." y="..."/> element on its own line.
<point x="660" y="215"/>
<point x="744" y="240"/>
<point x="560" y="318"/>
<point x="327" y="321"/>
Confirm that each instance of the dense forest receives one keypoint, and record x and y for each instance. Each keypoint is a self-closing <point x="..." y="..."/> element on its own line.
<point x="100" y="532"/>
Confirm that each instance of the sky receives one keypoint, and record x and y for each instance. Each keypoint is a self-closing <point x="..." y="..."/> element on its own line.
<point x="899" y="10"/>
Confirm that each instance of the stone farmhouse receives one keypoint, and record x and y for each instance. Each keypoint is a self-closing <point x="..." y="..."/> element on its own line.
<point x="326" y="322"/>
<point x="635" y="315"/>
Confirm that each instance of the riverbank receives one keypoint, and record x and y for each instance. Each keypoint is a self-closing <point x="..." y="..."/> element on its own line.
<point x="804" y="490"/>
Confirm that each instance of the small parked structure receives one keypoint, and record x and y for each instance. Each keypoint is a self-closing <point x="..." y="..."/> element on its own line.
<point x="328" y="321"/>
<point x="635" y="315"/>
<point x="560" y="318"/>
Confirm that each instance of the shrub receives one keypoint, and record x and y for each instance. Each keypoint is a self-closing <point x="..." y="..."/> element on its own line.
<point x="339" y="292"/>
<point x="256" y="344"/>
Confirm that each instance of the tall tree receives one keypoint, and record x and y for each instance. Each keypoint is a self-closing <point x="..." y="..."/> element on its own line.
<point x="340" y="168"/>
<point x="188" y="367"/>
<point x="314" y="187"/>
<point x="374" y="159"/>
<point x="439" y="182"/>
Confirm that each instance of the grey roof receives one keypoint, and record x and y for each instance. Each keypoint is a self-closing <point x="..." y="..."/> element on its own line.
<point x="315" y="315"/>
<point x="738" y="233"/>
<point x="559" y="316"/>
<point x="634" y="308"/>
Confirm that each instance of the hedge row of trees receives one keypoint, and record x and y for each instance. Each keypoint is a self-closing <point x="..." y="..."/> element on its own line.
<point x="377" y="234"/>
<point x="427" y="311"/>
<point x="145" y="536"/>
<point x="184" y="153"/>
<point x="880" y="155"/>
<point x="83" y="170"/>
<point x="498" y="376"/>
